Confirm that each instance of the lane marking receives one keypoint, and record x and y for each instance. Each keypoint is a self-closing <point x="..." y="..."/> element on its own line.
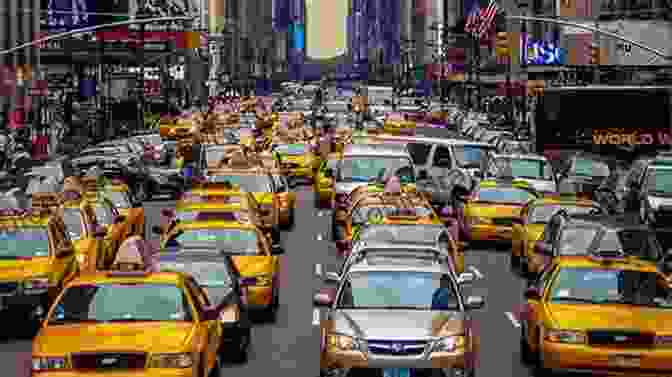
<point x="476" y="272"/>
<point x="318" y="269"/>
<point x="512" y="319"/>
<point x="316" y="317"/>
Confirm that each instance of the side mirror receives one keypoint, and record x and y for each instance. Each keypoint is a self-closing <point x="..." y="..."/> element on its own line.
<point x="157" y="230"/>
<point x="331" y="277"/>
<point x="422" y="175"/>
<point x="119" y="219"/>
<point x="277" y="250"/>
<point x="329" y="173"/>
<point x="168" y="213"/>
<point x="99" y="231"/>
<point x="532" y="294"/>
<point x="210" y="313"/>
<point x="466" y="278"/>
<point x="65" y="251"/>
<point x="325" y="297"/>
<point x="542" y="248"/>
<point x="474" y="303"/>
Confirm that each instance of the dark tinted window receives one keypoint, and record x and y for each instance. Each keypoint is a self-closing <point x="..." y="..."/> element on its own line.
<point x="442" y="158"/>
<point x="419" y="152"/>
<point x="640" y="243"/>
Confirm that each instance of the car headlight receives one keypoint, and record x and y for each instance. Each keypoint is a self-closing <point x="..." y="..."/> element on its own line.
<point x="480" y="221"/>
<point x="172" y="360"/>
<point x="343" y="343"/>
<point x="448" y="344"/>
<point x="565" y="336"/>
<point x="49" y="363"/>
<point x="37" y="284"/>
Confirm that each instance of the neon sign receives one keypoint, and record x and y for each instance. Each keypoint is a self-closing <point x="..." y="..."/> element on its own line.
<point x="543" y="53"/>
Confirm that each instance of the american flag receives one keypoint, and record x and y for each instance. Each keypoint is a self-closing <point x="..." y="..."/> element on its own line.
<point x="473" y="19"/>
<point x="487" y="18"/>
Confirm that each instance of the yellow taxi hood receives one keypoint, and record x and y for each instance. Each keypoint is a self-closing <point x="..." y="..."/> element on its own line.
<point x="611" y="316"/>
<point x="154" y="337"/>
<point x="492" y="210"/>
<point x="252" y="265"/>
<point x="534" y="231"/>
<point x="264" y="197"/>
<point x="20" y="269"/>
<point x="83" y="244"/>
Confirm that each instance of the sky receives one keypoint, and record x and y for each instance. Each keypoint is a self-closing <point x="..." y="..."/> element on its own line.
<point x="326" y="28"/>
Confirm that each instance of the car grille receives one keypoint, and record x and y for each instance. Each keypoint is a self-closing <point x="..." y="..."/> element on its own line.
<point x="621" y="339"/>
<point x="503" y="221"/>
<point x="109" y="361"/>
<point x="397" y="347"/>
<point x="8" y="288"/>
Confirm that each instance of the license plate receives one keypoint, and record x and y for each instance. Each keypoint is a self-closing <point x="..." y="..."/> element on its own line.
<point x="625" y="361"/>
<point x="396" y="372"/>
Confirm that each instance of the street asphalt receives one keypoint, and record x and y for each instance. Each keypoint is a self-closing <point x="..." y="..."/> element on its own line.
<point x="291" y="345"/>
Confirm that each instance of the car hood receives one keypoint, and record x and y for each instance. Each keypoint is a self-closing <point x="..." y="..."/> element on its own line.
<point x="21" y="269"/>
<point x="415" y="324"/>
<point x="348" y="187"/>
<point x="139" y="337"/>
<point x="613" y="317"/>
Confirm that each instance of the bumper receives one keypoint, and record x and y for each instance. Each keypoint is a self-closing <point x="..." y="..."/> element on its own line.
<point x="187" y="372"/>
<point x="490" y="233"/>
<point x="356" y="359"/>
<point x="259" y="298"/>
<point x="568" y="358"/>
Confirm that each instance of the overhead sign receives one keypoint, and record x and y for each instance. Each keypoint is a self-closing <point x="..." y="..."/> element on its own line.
<point x="543" y="53"/>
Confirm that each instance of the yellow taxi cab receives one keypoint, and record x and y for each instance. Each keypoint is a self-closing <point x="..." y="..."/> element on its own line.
<point x="94" y="227"/>
<point x="535" y="215"/>
<point x="36" y="260"/>
<point x="300" y="160"/>
<point x="398" y="123"/>
<point x="253" y="253"/>
<point x="602" y="314"/>
<point x="323" y="183"/>
<point x="129" y="321"/>
<point x="493" y="207"/>
<point x="119" y="195"/>
<point x="175" y="129"/>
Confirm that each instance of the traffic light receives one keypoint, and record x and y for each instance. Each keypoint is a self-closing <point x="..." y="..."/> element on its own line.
<point x="594" y="54"/>
<point x="502" y="44"/>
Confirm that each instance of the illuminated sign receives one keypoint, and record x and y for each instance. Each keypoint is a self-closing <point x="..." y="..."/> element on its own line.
<point x="543" y="53"/>
<point x="617" y="136"/>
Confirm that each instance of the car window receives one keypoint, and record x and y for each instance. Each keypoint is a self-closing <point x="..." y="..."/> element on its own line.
<point x="542" y="214"/>
<point x="442" y="153"/>
<point x="658" y="180"/>
<point x="576" y="240"/>
<point x="233" y="241"/>
<point x="419" y="152"/>
<point x="23" y="242"/>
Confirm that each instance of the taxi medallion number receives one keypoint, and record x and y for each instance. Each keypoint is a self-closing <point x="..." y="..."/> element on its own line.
<point x="625" y="361"/>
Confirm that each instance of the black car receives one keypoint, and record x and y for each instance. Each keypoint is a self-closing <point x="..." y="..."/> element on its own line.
<point x="144" y="181"/>
<point x="218" y="276"/>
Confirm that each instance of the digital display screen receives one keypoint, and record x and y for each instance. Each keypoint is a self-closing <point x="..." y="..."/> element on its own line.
<point x="543" y="53"/>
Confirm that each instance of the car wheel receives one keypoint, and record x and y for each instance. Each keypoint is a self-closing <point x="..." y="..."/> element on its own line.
<point x="271" y="314"/>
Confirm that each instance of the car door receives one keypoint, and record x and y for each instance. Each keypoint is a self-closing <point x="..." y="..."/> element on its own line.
<point x="442" y="161"/>
<point x="210" y="331"/>
<point x="533" y="314"/>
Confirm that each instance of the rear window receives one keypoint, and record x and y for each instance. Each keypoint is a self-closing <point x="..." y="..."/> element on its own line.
<point x="504" y="195"/>
<point x="419" y="152"/>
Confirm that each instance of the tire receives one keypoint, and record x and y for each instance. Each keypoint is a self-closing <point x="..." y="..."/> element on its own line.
<point x="241" y="355"/>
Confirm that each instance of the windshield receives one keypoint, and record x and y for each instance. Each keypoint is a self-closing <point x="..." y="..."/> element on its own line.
<point x="524" y="168"/>
<point x="367" y="214"/>
<point x="120" y="199"/>
<point x="214" y="277"/>
<point x="542" y="214"/>
<point x="576" y="241"/>
<point x="598" y="286"/>
<point x="414" y="234"/>
<point x="365" y="169"/>
<point x="590" y="168"/>
<point x="504" y="195"/>
<point x="398" y="290"/>
<point x="121" y="302"/>
<point x="659" y="181"/>
<point x="292" y="149"/>
<point x="25" y="242"/>
<point x="642" y="244"/>
<point x="74" y="223"/>
<point x="248" y="183"/>
<point x="470" y="156"/>
<point x="104" y="214"/>
<point x="233" y="241"/>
